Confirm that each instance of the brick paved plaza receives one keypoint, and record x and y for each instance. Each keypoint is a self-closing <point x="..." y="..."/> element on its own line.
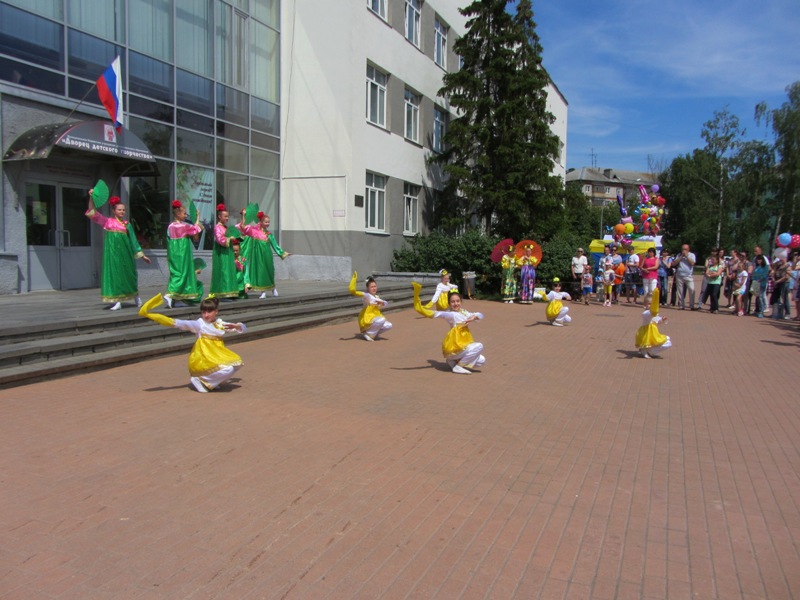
<point x="337" y="469"/>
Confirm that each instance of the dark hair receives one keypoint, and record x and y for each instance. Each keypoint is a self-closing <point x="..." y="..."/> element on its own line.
<point x="761" y="256"/>
<point x="369" y="280"/>
<point x="211" y="303"/>
<point x="454" y="294"/>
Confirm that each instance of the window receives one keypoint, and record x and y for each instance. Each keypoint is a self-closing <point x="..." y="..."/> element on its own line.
<point x="376" y="96"/>
<point x="587" y="189"/>
<point x="150" y="27"/>
<point x="378" y="7"/>
<point x="439" y="122"/>
<point x="411" y="208"/>
<point x="412" y="21"/>
<point x="232" y="45"/>
<point x="375" y="199"/>
<point x="193" y="27"/>
<point x="412" y="116"/>
<point x="440" y="44"/>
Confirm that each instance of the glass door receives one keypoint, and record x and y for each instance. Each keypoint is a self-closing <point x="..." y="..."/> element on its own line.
<point x="59" y="237"/>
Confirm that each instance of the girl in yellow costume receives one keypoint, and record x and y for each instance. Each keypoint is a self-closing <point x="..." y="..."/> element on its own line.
<point x="650" y="341"/>
<point x="370" y="320"/>
<point x="460" y="350"/>
<point x="556" y="312"/>
<point x="210" y="362"/>
<point x="441" y="297"/>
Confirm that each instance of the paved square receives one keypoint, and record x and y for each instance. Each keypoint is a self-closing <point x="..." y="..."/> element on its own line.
<point x="335" y="468"/>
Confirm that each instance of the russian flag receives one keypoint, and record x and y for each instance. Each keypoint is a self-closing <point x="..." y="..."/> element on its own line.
<point x="109" y="87"/>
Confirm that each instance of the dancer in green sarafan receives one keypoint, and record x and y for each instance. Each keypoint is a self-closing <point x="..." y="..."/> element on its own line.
<point x="260" y="273"/>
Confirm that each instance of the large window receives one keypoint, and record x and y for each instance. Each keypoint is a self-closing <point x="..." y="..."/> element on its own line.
<point x="440" y="44"/>
<point x="195" y="50"/>
<point x="265" y="62"/>
<point x="411" y="209"/>
<point x="378" y="7"/>
<point x="412" y="21"/>
<point x="231" y="35"/>
<point x="412" y="116"/>
<point x="151" y="27"/>
<point x="439" y="126"/>
<point x="376" y="96"/>
<point x="103" y="18"/>
<point x="375" y="197"/>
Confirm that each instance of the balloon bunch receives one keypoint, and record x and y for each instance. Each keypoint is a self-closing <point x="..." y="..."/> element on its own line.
<point x="787" y="240"/>
<point x="647" y="220"/>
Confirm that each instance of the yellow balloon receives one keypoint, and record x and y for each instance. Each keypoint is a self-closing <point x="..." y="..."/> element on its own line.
<point x="628" y="227"/>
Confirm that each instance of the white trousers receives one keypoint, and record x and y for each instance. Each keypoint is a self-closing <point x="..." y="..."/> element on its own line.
<point x="563" y="317"/>
<point x="378" y="325"/>
<point x="218" y="377"/>
<point x="469" y="357"/>
<point x="656" y="350"/>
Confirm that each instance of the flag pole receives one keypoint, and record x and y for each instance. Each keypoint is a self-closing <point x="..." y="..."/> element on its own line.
<point x="86" y="95"/>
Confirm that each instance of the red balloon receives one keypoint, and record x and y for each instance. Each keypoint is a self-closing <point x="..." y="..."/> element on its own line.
<point x="795" y="243"/>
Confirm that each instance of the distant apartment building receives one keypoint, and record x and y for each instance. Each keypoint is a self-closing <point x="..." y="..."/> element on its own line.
<point x="324" y="113"/>
<point x="603" y="185"/>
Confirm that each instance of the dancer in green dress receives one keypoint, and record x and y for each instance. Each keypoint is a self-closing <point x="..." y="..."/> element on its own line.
<point x="260" y="274"/>
<point x="120" y="281"/>
<point x="183" y="283"/>
<point x="223" y="262"/>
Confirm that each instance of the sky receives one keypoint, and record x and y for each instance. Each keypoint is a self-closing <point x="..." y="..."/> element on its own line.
<point x="641" y="78"/>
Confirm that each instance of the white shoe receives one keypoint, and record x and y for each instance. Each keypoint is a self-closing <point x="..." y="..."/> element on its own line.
<point x="262" y="296"/>
<point x="557" y="324"/>
<point x="117" y="306"/>
<point x="168" y="300"/>
<point x="138" y="302"/>
<point x="644" y="353"/>
<point x="198" y="385"/>
<point x="274" y="291"/>
<point x="369" y="338"/>
<point x="461" y="370"/>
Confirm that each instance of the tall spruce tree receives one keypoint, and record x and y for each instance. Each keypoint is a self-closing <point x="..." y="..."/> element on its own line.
<point x="499" y="150"/>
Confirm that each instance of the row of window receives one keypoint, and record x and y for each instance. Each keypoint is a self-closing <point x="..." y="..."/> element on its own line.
<point x="375" y="205"/>
<point x="412" y="23"/>
<point x="600" y="189"/>
<point x="376" y="110"/>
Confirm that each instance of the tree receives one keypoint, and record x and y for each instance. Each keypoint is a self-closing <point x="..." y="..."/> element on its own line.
<point x="499" y="150"/>
<point x="786" y="126"/>
<point x="722" y="135"/>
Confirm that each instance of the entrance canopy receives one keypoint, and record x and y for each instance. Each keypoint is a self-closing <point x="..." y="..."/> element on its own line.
<point x="98" y="140"/>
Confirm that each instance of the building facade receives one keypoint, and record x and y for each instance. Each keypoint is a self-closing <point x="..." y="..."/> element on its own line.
<point x="323" y="113"/>
<point x="602" y="186"/>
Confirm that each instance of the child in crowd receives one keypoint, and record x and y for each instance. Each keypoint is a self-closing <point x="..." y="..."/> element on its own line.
<point x="556" y="311"/>
<point x="649" y="340"/>
<point x="460" y="350"/>
<point x="608" y="283"/>
<point x="183" y="283"/>
<point x="586" y="284"/>
<point x="210" y="362"/>
<point x="739" y="289"/>
<point x="443" y="289"/>
<point x="370" y="320"/>
<point x="599" y="286"/>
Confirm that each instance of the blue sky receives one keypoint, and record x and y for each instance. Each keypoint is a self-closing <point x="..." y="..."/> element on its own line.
<point x="641" y="78"/>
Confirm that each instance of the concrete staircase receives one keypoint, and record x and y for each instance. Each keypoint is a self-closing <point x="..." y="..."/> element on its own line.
<point x="47" y="350"/>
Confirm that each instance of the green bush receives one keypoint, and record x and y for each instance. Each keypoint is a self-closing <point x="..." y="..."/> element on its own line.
<point x="471" y="251"/>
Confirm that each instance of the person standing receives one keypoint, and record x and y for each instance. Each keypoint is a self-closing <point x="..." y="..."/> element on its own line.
<point x="780" y="291"/>
<point x="509" y="265"/>
<point x="632" y="276"/>
<point x="664" y="271"/>
<point x="684" y="276"/>
<point x="759" y="283"/>
<point x="713" y="274"/>
<point x="223" y="262"/>
<point x="183" y="284"/>
<point x="650" y="267"/>
<point x="527" y="274"/>
<point x="579" y="264"/>
<point x="120" y="280"/>
<point x="261" y="244"/>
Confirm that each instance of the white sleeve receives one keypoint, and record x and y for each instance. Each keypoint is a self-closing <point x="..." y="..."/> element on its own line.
<point x="193" y="326"/>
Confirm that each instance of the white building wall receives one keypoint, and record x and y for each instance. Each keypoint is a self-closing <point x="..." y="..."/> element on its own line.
<point x="327" y="143"/>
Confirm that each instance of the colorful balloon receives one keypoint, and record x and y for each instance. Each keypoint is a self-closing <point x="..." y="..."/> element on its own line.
<point x="628" y="228"/>
<point x="784" y="240"/>
<point x="619" y="229"/>
<point x="795" y="243"/>
<point x="654" y="188"/>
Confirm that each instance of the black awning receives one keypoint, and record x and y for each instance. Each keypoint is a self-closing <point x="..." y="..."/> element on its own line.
<point x="123" y="149"/>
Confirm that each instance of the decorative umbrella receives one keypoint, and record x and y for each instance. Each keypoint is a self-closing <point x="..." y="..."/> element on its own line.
<point x="100" y="193"/>
<point x="536" y="251"/>
<point x="500" y="249"/>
